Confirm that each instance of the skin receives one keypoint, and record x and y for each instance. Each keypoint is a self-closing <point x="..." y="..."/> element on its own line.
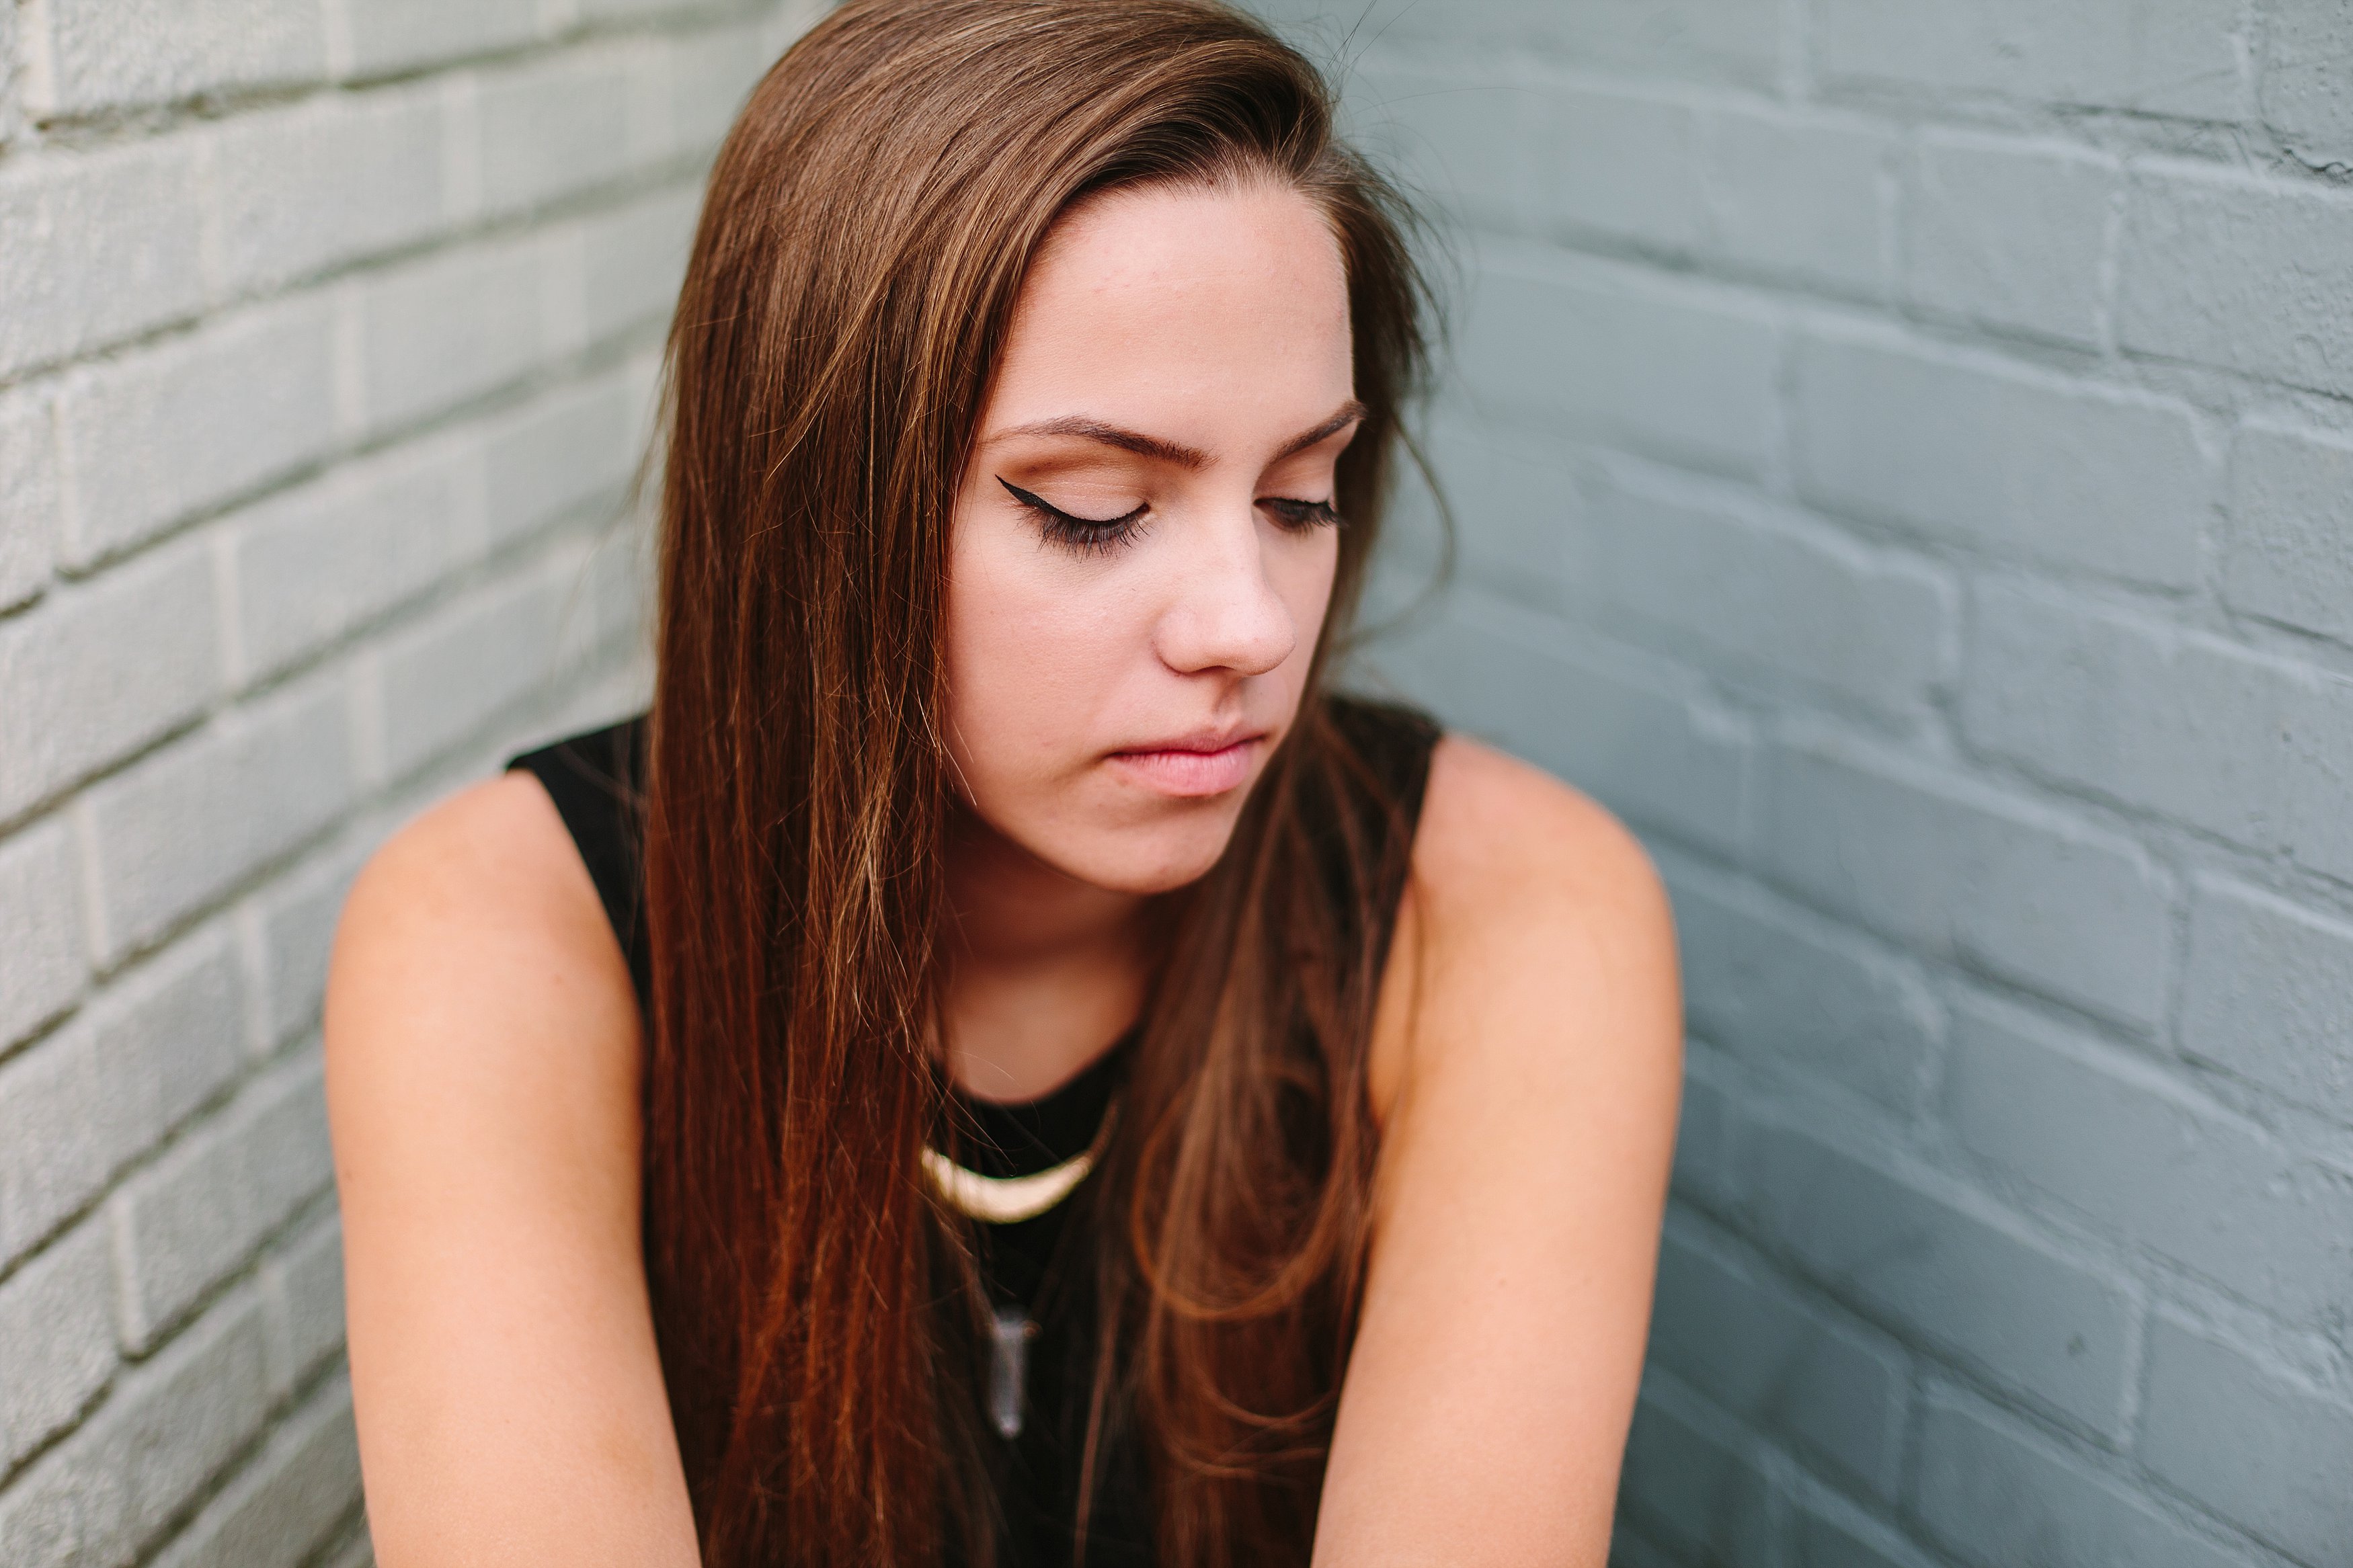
<point x="1091" y="678"/>
<point x="1111" y="705"/>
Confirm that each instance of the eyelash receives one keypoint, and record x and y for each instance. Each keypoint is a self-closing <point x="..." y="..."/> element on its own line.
<point x="1302" y="515"/>
<point x="1098" y="535"/>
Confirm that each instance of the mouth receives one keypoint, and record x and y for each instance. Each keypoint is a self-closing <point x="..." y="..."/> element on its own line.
<point x="1193" y="766"/>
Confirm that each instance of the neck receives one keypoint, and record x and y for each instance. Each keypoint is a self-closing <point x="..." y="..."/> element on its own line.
<point x="1044" y="970"/>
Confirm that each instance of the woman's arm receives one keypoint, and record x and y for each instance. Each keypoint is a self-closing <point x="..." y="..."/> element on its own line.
<point x="1527" y="1065"/>
<point x="482" y="1048"/>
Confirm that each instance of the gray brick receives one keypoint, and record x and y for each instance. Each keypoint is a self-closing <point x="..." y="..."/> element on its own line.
<point x="1931" y="1260"/>
<point x="188" y="825"/>
<point x="606" y="604"/>
<point x="99" y="247"/>
<point x="1462" y="142"/>
<point x="2117" y="1140"/>
<point x="1641" y="747"/>
<point x="2302" y="81"/>
<point x="80" y="1105"/>
<point x="1829" y="1532"/>
<point x="197" y="1215"/>
<point x="388" y="38"/>
<point x="2287" y="551"/>
<point x="302" y="1289"/>
<point x="636" y="10"/>
<point x="1521" y="516"/>
<point x="1959" y="872"/>
<point x="1756" y="1348"/>
<point x="1682" y="375"/>
<point x="635" y="261"/>
<point x="711" y="75"/>
<point x="1805" y="199"/>
<point x="2237" y="273"/>
<point x="106" y="53"/>
<point x="571" y="452"/>
<point x="1618" y="164"/>
<point x="102" y="1496"/>
<point x="1762" y="597"/>
<point x="30" y="499"/>
<point x="2156" y="57"/>
<point x="1705" y="1157"/>
<point x="553" y="127"/>
<point x="622" y="687"/>
<point x="54" y="1321"/>
<point x="1696" y="1484"/>
<point x="2250" y="747"/>
<point x="91" y="675"/>
<point x="12" y="120"/>
<point x="1778" y="987"/>
<point x="359" y="1553"/>
<point x="283" y="1504"/>
<point x="445" y="680"/>
<point x="152" y="438"/>
<point x="315" y="564"/>
<point x="2012" y="235"/>
<point x="2000" y="460"/>
<point x="1734" y="41"/>
<point x="40" y="931"/>
<point x="305" y="189"/>
<point x="2267" y="994"/>
<point x="642" y="376"/>
<point x="563" y="294"/>
<point x="295" y="920"/>
<point x="2258" y="1450"/>
<point x="451" y="328"/>
<point x="1998" y="1495"/>
<point x="1630" y="1548"/>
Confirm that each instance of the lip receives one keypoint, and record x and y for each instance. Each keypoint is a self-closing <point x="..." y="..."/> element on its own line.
<point x="1205" y="763"/>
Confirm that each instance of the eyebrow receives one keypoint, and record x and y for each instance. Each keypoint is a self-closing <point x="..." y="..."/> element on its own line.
<point x="1176" y="452"/>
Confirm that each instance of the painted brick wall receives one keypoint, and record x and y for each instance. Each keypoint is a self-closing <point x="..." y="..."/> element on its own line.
<point x="1903" y="457"/>
<point x="327" y="332"/>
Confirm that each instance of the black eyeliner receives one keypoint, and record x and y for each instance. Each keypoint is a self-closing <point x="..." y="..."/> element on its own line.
<point x="1092" y="534"/>
<point x="1087" y="535"/>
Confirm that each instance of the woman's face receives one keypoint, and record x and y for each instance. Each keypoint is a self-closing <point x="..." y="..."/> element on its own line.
<point x="1143" y="547"/>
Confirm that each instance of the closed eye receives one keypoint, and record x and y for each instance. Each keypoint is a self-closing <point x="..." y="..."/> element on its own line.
<point x="1300" y="515"/>
<point x="1087" y="535"/>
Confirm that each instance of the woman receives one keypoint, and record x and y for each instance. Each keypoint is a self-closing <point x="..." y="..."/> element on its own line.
<point x="1000" y="1066"/>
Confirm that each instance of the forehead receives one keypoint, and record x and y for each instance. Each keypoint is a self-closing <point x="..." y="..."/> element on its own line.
<point x="1145" y="304"/>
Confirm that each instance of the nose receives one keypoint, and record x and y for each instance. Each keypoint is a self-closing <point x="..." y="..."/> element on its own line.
<point x="1224" y="612"/>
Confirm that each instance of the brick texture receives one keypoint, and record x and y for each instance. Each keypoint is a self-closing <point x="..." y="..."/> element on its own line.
<point x="1901" y="455"/>
<point x="330" y="333"/>
<point x="107" y="54"/>
<point x="1900" y="448"/>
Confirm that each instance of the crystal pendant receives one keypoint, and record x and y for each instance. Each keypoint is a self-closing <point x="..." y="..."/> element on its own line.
<point x="1009" y="1368"/>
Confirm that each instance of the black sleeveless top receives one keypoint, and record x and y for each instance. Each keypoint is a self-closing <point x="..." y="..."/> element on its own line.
<point x="1034" y="1270"/>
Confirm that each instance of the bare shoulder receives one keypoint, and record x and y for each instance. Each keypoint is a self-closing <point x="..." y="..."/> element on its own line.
<point x="1528" y="1095"/>
<point x="1501" y="840"/>
<point x="1534" y="924"/>
<point x="482" y="1065"/>
<point x="491" y="854"/>
<point x="480" y="903"/>
<point x="1527" y="889"/>
<point x="475" y="984"/>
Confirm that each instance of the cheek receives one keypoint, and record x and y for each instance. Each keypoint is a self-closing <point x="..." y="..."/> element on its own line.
<point x="1028" y="659"/>
<point x="1303" y="577"/>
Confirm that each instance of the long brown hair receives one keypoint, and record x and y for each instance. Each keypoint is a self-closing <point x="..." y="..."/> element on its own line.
<point x="866" y="229"/>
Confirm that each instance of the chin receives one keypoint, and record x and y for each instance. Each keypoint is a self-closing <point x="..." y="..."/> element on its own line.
<point x="1157" y="861"/>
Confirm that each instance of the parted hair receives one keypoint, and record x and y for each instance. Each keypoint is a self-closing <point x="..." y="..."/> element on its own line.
<point x="866" y="232"/>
